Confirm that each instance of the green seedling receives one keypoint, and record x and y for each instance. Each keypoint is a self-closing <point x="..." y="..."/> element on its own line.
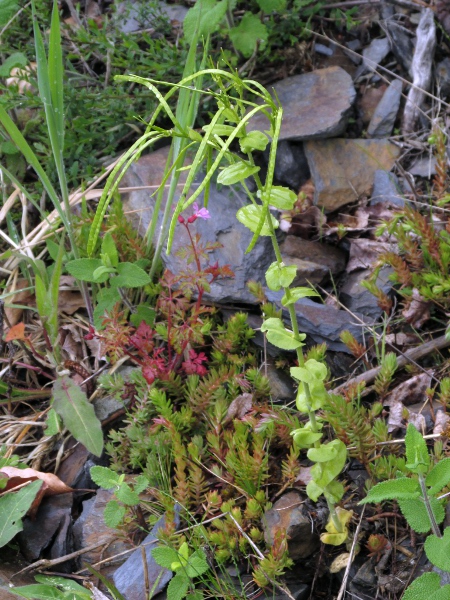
<point x="423" y="510"/>
<point x="187" y="567"/>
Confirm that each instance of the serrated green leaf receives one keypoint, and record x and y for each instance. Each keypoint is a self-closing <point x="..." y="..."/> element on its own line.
<point x="106" y="300"/>
<point x="113" y="514"/>
<point x="178" y="587"/>
<point x="279" y="336"/>
<point x="236" y="172"/>
<point x="439" y="476"/>
<point x="417" y="457"/>
<point x="271" y="5"/>
<point x="15" y="60"/>
<point x="141" y="484"/>
<point x="143" y="313"/>
<point x="130" y="276"/>
<point x="14" y="506"/>
<point x="78" y="415"/>
<point x="104" y="477"/>
<point x="438" y="550"/>
<point x="84" y="269"/>
<point x="296" y="294"/>
<point x="164" y="556"/>
<point x="197" y="564"/>
<point x="203" y="19"/>
<point x="415" y="512"/>
<point x="423" y="587"/>
<point x="394" y="489"/>
<point x="248" y="33"/>
<point x="126" y="495"/>
<point x="250" y="216"/>
<point x="254" y="140"/>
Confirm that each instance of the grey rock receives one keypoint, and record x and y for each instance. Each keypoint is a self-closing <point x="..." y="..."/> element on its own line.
<point x="52" y="518"/>
<point x="400" y="38"/>
<point x="135" y="16"/>
<point x="382" y="122"/>
<point x="222" y="227"/>
<point x="343" y="170"/>
<point x="323" y="323"/>
<point x="282" y="387"/>
<point x="442" y="74"/>
<point x="322" y="49"/>
<point x="106" y="407"/>
<point x="386" y="189"/>
<point x="90" y="528"/>
<point x="289" y="517"/>
<point x="291" y="166"/>
<point x="299" y="591"/>
<point x="353" y="47"/>
<point x="358" y="299"/>
<point x="373" y="55"/>
<point x="314" y="261"/>
<point x="423" y="167"/>
<point x="364" y="583"/>
<point x="316" y="105"/>
<point x="129" y="578"/>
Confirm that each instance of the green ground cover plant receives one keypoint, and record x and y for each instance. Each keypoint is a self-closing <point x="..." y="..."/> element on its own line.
<point x="417" y="495"/>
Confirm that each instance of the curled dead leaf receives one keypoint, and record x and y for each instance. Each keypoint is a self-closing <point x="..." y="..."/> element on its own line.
<point x="411" y="391"/>
<point x="417" y="312"/>
<point x="240" y="406"/>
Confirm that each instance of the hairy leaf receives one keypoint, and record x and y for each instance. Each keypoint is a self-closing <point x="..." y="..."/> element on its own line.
<point x="248" y="33"/>
<point x="164" y="556"/>
<point x="84" y="269"/>
<point x="439" y="476"/>
<point x="394" y="489"/>
<point x="78" y="415"/>
<point x="423" y="587"/>
<point x="416" y="514"/>
<point x="438" y="550"/>
<point x="130" y="276"/>
<point x="197" y="564"/>
<point x="113" y="514"/>
<point x="104" y="477"/>
<point x="178" y="587"/>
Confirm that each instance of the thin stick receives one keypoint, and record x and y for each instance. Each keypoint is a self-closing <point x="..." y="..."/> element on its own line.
<point x="350" y="558"/>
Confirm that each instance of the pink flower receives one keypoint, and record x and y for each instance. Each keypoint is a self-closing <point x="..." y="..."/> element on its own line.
<point x="203" y="213"/>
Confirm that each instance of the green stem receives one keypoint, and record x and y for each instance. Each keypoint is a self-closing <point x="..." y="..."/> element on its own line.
<point x="426" y="500"/>
<point x="334" y="517"/>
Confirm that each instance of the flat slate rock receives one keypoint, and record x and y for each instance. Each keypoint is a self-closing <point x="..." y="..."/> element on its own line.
<point x="385" y="115"/>
<point x="343" y="170"/>
<point x="222" y="227"/>
<point x="315" y="105"/>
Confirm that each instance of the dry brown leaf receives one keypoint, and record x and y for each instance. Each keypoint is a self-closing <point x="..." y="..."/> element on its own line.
<point x="304" y="476"/>
<point x="22" y="296"/>
<point x="396" y="416"/>
<point x="418" y="311"/>
<point x="364" y="253"/>
<point x="410" y="391"/>
<point x="441" y="423"/>
<point x="52" y="484"/>
<point x="417" y="420"/>
<point x="70" y="302"/>
<point x="16" y="332"/>
<point x="240" y="406"/>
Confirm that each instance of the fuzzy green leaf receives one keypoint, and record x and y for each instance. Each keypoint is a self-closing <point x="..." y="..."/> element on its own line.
<point x="248" y="33"/>
<point x="197" y="564"/>
<point x="236" y="173"/>
<point x="416" y="514"/>
<point x="53" y="423"/>
<point x="394" y="489"/>
<point x="106" y="300"/>
<point x="439" y="476"/>
<point x="279" y="336"/>
<point x="164" y="556"/>
<point x="113" y="514"/>
<point x="104" y="477"/>
<point x="280" y="276"/>
<point x="78" y="414"/>
<point x="296" y="294"/>
<point x="178" y="587"/>
<point x="130" y="276"/>
<point x="203" y="19"/>
<point x="143" y="313"/>
<point x="14" y="506"/>
<point x="423" y="587"/>
<point x="126" y="495"/>
<point x="254" y="140"/>
<point x="250" y="216"/>
<point x="417" y="457"/>
<point x="438" y="550"/>
<point x="109" y="250"/>
<point x="84" y="269"/>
